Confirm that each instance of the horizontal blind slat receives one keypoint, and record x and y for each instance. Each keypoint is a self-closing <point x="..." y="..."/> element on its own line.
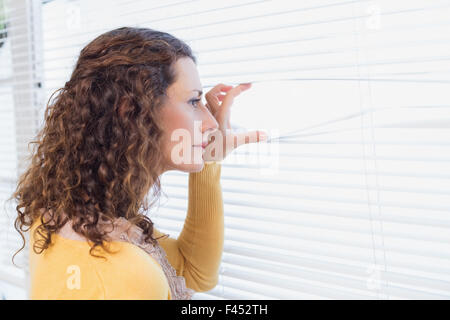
<point x="333" y="251"/>
<point x="344" y="240"/>
<point x="356" y="279"/>
<point x="242" y="219"/>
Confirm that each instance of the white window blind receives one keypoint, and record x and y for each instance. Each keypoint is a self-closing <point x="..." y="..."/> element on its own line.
<point x="352" y="202"/>
<point x="20" y="97"/>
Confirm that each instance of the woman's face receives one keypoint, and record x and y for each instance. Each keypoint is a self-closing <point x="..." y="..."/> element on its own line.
<point x="186" y="122"/>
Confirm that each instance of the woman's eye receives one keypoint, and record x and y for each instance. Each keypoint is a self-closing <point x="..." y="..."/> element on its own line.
<point x="196" y="101"/>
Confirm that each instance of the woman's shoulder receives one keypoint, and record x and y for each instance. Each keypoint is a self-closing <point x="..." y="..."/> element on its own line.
<point x="131" y="273"/>
<point x="126" y="271"/>
<point x="69" y="271"/>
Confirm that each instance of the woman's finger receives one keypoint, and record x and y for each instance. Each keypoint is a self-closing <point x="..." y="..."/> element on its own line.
<point x="239" y="138"/>
<point x="220" y="145"/>
<point x="228" y="100"/>
<point x="212" y="96"/>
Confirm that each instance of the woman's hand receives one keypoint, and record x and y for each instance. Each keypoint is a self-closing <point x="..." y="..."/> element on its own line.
<point x="223" y="141"/>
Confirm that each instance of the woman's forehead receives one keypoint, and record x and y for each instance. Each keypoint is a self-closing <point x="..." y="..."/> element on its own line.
<point x="188" y="78"/>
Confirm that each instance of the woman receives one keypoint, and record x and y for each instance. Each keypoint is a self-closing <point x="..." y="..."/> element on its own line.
<point x="113" y="130"/>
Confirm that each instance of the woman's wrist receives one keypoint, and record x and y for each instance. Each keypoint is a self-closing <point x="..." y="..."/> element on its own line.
<point x="210" y="173"/>
<point x="211" y="162"/>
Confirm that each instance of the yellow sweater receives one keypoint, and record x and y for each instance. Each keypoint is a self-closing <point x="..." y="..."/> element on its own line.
<point x="66" y="270"/>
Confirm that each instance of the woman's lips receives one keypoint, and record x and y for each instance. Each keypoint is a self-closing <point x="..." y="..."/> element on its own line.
<point x="203" y="145"/>
<point x="199" y="146"/>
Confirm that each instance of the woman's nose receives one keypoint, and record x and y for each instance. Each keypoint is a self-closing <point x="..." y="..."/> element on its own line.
<point x="209" y="122"/>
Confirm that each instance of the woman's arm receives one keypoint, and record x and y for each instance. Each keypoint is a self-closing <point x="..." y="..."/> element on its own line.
<point x="197" y="252"/>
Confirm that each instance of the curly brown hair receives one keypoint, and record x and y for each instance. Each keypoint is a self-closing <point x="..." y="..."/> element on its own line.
<point x="99" y="152"/>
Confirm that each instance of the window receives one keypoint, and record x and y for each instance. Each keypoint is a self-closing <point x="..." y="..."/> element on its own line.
<point x="352" y="201"/>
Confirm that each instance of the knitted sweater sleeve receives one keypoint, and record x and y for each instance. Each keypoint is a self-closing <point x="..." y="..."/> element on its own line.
<point x="197" y="252"/>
